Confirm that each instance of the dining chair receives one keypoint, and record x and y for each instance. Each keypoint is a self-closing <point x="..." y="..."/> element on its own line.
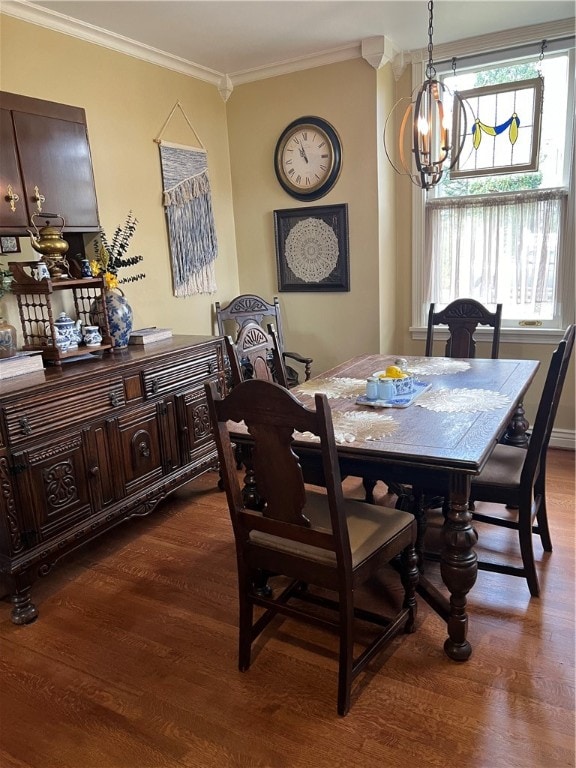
<point x="516" y="477"/>
<point x="316" y="542"/>
<point x="251" y="308"/>
<point x="463" y="316"/>
<point x="256" y="355"/>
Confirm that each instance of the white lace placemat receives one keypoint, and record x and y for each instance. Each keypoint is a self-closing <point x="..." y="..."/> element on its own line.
<point x="429" y="366"/>
<point x="462" y="400"/>
<point x="332" y="387"/>
<point x="357" y="426"/>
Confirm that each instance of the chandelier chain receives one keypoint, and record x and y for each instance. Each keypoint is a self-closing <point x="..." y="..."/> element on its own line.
<point x="430" y="68"/>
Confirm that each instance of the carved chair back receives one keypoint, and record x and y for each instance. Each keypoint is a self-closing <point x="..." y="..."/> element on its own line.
<point x="249" y="308"/>
<point x="463" y="316"/>
<point x="255" y="355"/>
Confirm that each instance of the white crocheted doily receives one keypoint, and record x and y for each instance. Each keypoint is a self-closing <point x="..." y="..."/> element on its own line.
<point x="462" y="400"/>
<point x="358" y="426"/>
<point x="429" y="366"/>
<point x="332" y="387"/>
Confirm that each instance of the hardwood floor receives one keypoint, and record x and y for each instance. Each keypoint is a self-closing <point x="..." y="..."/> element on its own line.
<point x="132" y="663"/>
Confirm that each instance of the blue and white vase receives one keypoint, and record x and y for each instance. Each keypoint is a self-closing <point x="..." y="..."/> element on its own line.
<point x="120" y="317"/>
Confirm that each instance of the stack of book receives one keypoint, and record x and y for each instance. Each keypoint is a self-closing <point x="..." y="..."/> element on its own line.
<point x="144" y="336"/>
<point x="20" y="363"/>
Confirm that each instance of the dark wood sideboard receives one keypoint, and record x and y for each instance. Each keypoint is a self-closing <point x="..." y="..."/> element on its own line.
<point x="89" y="444"/>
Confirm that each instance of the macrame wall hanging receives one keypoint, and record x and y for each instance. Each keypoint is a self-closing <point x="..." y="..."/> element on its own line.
<point x="188" y="205"/>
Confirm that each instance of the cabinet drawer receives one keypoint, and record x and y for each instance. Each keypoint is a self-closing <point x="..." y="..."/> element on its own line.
<point x="181" y="374"/>
<point x="47" y="414"/>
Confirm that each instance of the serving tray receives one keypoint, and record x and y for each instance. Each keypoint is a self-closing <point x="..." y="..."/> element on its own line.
<point x="401" y="401"/>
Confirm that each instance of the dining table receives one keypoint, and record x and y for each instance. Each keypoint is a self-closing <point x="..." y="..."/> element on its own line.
<point x="436" y="438"/>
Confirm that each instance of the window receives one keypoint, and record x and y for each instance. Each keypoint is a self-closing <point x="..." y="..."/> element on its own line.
<point x="503" y="237"/>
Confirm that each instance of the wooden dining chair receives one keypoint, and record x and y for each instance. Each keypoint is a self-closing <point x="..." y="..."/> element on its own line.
<point x="517" y="477"/>
<point x="463" y="316"/>
<point x="247" y="308"/>
<point x="313" y="541"/>
<point x="256" y="355"/>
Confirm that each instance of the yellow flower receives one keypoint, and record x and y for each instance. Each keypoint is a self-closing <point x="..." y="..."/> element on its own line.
<point x="95" y="267"/>
<point x="110" y="280"/>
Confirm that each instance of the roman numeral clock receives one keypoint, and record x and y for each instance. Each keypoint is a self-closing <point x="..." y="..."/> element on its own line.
<point x="308" y="158"/>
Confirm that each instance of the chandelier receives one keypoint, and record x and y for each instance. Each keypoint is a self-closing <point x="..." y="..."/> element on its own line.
<point x="428" y="149"/>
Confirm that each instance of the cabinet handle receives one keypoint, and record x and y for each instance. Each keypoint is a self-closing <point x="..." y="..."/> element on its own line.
<point x="144" y="450"/>
<point x="114" y="398"/>
<point x="13" y="197"/>
<point x="211" y="368"/>
<point x="154" y="386"/>
<point x="39" y="199"/>
<point x="25" y="427"/>
<point x="93" y="471"/>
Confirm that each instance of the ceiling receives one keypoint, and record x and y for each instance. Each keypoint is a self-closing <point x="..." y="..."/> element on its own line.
<point x="235" y="36"/>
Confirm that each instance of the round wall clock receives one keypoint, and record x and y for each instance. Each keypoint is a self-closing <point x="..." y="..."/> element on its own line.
<point x="308" y="158"/>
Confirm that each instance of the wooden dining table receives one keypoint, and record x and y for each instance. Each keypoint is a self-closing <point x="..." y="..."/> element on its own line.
<point x="437" y="443"/>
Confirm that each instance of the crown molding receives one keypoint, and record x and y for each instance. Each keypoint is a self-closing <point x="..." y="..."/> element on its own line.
<point x="331" y="56"/>
<point x="378" y="51"/>
<point x="58" y="22"/>
<point x="225" y="82"/>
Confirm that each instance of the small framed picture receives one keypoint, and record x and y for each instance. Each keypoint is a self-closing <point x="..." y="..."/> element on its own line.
<point x="312" y="248"/>
<point x="9" y="245"/>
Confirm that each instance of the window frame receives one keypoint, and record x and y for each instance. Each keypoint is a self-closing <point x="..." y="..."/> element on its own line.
<point x="509" y="332"/>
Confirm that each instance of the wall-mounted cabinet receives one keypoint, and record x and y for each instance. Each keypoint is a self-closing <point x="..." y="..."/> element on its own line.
<point x="46" y="165"/>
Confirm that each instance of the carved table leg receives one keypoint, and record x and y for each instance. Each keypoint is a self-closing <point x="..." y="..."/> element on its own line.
<point x="23" y="609"/>
<point x="421" y="524"/>
<point x="458" y="565"/>
<point x="516" y="431"/>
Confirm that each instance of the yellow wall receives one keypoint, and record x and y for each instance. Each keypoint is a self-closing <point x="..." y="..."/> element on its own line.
<point x="127" y="101"/>
<point x="329" y="327"/>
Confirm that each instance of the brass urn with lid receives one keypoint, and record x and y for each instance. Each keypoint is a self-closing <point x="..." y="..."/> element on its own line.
<point x="48" y="242"/>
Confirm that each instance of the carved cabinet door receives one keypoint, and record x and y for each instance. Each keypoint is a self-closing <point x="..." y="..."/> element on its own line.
<point x="53" y="485"/>
<point x="196" y="433"/>
<point x="137" y="439"/>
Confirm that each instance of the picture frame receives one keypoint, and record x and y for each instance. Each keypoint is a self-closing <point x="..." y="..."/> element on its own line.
<point x="9" y="245"/>
<point x="312" y="252"/>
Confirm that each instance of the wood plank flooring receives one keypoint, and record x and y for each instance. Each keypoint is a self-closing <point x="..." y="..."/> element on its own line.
<point x="132" y="663"/>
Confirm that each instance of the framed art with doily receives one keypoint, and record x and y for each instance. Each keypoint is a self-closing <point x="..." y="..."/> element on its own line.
<point x="312" y="248"/>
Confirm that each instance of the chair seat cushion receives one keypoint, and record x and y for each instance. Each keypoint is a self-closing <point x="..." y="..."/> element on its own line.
<point x="369" y="528"/>
<point x="503" y="468"/>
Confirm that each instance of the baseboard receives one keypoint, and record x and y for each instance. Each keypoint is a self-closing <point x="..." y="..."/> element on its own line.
<point x="564" y="439"/>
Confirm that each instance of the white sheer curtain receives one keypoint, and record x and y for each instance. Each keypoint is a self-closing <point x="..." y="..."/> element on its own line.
<point x="501" y="248"/>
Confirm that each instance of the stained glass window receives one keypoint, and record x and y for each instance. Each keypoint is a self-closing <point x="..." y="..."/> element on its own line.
<point x="502" y="130"/>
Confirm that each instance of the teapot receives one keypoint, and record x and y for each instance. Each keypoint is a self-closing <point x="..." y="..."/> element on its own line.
<point x="67" y="329"/>
<point x="48" y="240"/>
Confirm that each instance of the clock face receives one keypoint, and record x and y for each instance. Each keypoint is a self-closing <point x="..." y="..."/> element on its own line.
<point x="308" y="158"/>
